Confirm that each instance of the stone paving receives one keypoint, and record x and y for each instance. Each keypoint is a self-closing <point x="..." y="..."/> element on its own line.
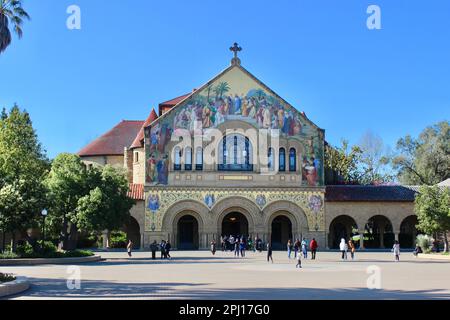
<point x="199" y="275"/>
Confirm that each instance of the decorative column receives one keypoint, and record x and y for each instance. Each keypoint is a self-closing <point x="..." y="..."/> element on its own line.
<point x="382" y="238"/>
<point x="142" y="242"/>
<point x="361" y="239"/>
<point x="105" y="238"/>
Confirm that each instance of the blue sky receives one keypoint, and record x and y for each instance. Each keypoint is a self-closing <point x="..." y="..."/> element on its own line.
<point x="317" y="54"/>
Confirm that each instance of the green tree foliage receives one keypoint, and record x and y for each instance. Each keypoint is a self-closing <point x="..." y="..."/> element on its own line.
<point x="23" y="167"/>
<point x="432" y="206"/>
<point x="341" y="164"/>
<point x="107" y="205"/>
<point x="67" y="182"/>
<point x="12" y="15"/>
<point x="426" y="160"/>
<point x="87" y="200"/>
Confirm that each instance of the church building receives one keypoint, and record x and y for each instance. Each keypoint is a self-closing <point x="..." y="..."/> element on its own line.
<point x="235" y="158"/>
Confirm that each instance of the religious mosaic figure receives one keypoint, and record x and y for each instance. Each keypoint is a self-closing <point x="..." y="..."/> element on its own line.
<point x="261" y="200"/>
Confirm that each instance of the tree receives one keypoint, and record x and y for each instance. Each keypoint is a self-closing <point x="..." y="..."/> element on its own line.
<point x="432" y="206"/>
<point x="11" y="11"/>
<point x="67" y="183"/>
<point x="426" y="160"/>
<point x="221" y="89"/>
<point x="107" y="206"/>
<point x="23" y="167"/>
<point x="374" y="160"/>
<point x="341" y="165"/>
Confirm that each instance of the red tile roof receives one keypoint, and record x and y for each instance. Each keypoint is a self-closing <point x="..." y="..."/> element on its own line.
<point x="114" y="141"/>
<point x="136" y="191"/>
<point x="175" y="101"/>
<point x="138" y="141"/>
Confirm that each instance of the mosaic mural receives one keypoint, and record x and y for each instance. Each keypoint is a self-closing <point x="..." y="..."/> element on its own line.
<point x="234" y="96"/>
<point x="312" y="203"/>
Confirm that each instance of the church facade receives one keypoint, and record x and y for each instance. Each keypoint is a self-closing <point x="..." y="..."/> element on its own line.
<point x="234" y="158"/>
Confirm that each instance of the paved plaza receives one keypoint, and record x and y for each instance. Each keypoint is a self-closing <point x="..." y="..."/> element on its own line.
<point x="199" y="275"/>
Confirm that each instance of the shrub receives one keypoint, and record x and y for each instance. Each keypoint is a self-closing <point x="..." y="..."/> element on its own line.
<point x="118" y="239"/>
<point x="25" y="250"/>
<point x="9" y="255"/>
<point x="425" y="242"/>
<point x="5" y="277"/>
<point x="78" y="254"/>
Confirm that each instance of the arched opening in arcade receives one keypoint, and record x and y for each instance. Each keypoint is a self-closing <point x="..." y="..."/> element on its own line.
<point x="235" y="224"/>
<point x="281" y="232"/>
<point x="342" y="227"/>
<point x="378" y="233"/>
<point x="133" y="232"/>
<point x="408" y="232"/>
<point x="187" y="233"/>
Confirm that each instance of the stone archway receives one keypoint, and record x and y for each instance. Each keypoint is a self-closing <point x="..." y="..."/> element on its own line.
<point x="408" y="232"/>
<point x="133" y="232"/>
<point x="379" y="233"/>
<point x="241" y="207"/>
<point x="235" y="224"/>
<point x="187" y="237"/>
<point x="342" y="227"/>
<point x="170" y="223"/>
<point x="281" y="232"/>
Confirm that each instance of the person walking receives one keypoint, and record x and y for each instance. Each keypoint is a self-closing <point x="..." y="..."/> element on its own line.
<point x="236" y="249"/>
<point x="289" y="248"/>
<point x="299" y="261"/>
<point x="313" y="246"/>
<point x="269" y="252"/>
<point x="213" y="247"/>
<point x="154" y="248"/>
<point x="168" y="247"/>
<point x="396" y="250"/>
<point x="242" y="248"/>
<point x="162" y="247"/>
<point x="343" y="248"/>
<point x="129" y="247"/>
<point x="351" y="248"/>
<point x="222" y="243"/>
<point x="305" y="248"/>
<point x="297" y="246"/>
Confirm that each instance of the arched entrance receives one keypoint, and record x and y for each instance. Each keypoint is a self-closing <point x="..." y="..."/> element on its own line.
<point x="379" y="233"/>
<point x="408" y="232"/>
<point x="235" y="224"/>
<point x="342" y="227"/>
<point x="281" y="232"/>
<point x="133" y="232"/>
<point x="187" y="233"/>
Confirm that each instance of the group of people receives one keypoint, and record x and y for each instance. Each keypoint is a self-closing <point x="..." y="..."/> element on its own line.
<point x="346" y="247"/>
<point x="300" y="249"/>
<point x="236" y="244"/>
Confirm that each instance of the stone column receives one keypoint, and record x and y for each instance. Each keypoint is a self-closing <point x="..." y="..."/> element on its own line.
<point x="382" y="238"/>
<point x="361" y="239"/>
<point x="397" y="235"/>
<point x="142" y="242"/>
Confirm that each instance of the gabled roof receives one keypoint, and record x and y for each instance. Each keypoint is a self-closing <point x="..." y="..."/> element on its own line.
<point x="370" y="193"/>
<point x="180" y="100"/>
<point x="173" y="102"/>
<point x="114" y="141"/>
<point x="139" y="140"/>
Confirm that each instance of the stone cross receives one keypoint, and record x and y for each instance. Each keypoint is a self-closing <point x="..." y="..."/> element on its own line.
<point x="235" y="48"/>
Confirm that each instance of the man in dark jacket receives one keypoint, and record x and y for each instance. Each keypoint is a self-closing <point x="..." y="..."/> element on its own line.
<point x="154" y="248"/>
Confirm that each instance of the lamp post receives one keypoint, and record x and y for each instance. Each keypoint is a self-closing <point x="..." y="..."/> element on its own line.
<point x="44" y="214"/>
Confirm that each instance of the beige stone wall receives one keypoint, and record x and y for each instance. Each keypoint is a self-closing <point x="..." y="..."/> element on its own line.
<point x="138" y="166"/>
<point x="115" y="161"/>
<point x="361" y="212"/>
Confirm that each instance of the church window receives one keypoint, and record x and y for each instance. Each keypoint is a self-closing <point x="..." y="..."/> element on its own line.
<point x="292" y="160"/>
<point x="177" y="159"/>
<point x="270" y="159"/>
<point x="188" y="159"/>
<point x="235" y="153"/>
<point x="199" y="159"/>
<point x="282" y="167"/>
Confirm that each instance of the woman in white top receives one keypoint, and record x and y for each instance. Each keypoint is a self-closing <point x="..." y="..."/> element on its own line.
<point x="343" y="248"/>
<point x="396" y="250"/>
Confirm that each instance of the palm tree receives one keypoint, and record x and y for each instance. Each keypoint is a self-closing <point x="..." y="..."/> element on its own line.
<point x="11" y="11"/>
<point x="221" y="88"/>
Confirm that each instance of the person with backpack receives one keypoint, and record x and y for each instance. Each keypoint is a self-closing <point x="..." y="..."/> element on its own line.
<point x="213" y="247"/>
<point x="162" y="247"/>
<point x="313" y="246"/>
